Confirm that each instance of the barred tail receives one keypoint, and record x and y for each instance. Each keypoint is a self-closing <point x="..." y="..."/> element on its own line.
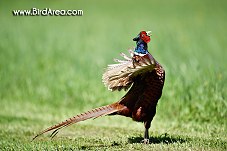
<point x="95" y="113"/>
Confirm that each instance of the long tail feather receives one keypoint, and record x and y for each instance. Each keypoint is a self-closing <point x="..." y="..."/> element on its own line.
<point x="95" y="113"/>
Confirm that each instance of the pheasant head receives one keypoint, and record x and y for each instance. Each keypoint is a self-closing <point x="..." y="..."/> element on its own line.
<point x="144" y="36"/>
<point x="142" y="39"/>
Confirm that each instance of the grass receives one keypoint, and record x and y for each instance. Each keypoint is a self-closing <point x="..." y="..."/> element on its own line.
<point x="51" y="68"/>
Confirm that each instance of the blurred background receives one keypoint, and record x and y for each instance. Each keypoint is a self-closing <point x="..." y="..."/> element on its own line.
<point x="51" y="66"/>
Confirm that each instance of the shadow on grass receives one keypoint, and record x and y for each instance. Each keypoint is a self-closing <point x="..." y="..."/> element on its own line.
<point x="164" y="138"/>
<point x="94" y="147"/>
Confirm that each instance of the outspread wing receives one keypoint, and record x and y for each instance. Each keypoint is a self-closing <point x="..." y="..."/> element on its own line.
<point x="120" y="75"/>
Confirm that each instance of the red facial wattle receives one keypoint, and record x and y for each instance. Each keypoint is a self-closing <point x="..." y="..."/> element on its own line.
<point x="145" y="37"/>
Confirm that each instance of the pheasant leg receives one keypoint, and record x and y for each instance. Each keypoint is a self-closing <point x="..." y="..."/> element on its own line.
<point x="147" y="125"/>
<point x="146" y="137"/>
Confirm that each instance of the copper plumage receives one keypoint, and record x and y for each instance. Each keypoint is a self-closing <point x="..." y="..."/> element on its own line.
<point x="142" y="74"/>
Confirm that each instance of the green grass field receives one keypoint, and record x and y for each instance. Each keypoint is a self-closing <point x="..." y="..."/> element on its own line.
<point x="51" y="69"/>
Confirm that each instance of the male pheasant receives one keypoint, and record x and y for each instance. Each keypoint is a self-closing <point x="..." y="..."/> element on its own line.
<point x="143" y="74"/>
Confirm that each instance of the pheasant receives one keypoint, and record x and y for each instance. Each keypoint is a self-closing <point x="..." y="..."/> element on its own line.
<point x="142" y="74"/>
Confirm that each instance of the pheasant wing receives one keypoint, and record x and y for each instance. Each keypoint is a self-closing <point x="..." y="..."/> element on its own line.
<point x="120" y="75"/>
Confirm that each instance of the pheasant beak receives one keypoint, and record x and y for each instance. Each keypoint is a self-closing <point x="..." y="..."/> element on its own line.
<point x="148" y="33"/>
